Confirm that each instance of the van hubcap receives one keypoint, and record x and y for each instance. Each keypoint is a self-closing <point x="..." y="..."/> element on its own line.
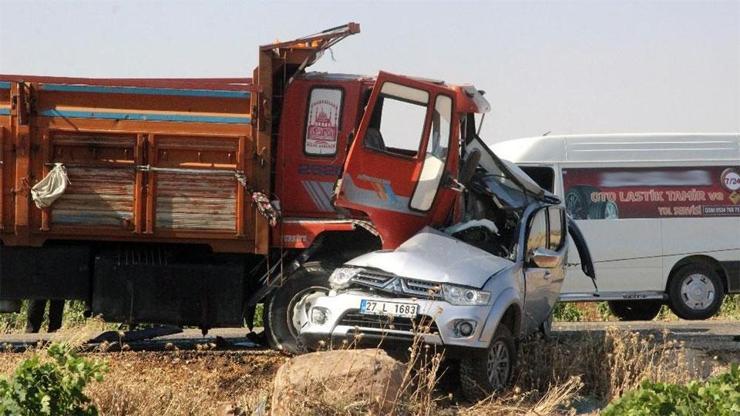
<point x="498" y="365"/>
<point x="698" y="291"/>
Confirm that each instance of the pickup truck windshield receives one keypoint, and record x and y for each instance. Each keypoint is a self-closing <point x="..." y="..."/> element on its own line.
<point x="506" y="191"/>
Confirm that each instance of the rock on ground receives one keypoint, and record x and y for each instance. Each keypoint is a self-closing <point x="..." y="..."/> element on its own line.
<point x="339" y="380"/>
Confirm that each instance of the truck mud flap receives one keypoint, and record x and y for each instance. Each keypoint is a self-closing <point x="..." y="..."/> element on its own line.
<point x="200" y="295"/>
<point x="57" y="272"/>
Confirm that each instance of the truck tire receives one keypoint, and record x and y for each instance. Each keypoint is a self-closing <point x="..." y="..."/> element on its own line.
<point x="489" y="370"/>
<point x="282" y="313"/>
<point x="630" y="310"/>
<point x="695" y="292"/>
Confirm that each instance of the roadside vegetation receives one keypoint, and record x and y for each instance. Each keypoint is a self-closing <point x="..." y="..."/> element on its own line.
<point x="618" y="373"/>
<point x="556" y="377"/>
<point x="599" y="311"/>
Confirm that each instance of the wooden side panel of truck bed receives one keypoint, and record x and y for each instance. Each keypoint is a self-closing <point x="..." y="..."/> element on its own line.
<point x="147" y="161"/>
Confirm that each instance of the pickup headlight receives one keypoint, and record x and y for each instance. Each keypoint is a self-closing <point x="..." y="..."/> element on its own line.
<point x="462" y="296"/>
<point x="341" y="277"/>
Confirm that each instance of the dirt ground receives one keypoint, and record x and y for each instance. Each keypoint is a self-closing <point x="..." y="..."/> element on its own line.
<point x="551" y="381"/>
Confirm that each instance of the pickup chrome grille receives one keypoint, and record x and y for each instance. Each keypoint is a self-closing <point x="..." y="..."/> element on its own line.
<point x="422" y="324"/>
<point x="421" y="288"/>
<point x="397" y="285"/>
<point x="375" y="278"/>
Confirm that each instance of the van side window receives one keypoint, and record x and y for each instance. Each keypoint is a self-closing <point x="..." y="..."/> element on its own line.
<point x="538" y="231"/>
<point x="322" y="122"/>
<point x="556" y="222"/>
<point x="544" y="176"/>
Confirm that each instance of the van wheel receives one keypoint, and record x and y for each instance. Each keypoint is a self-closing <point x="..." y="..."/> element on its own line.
<point x="695" y="292"/>
<point x="487" y="371"/>
<point x="288" y="308"/>
<point x="628" y="310"/>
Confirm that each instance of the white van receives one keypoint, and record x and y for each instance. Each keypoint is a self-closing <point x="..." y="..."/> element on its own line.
<point x="660" y="212"/>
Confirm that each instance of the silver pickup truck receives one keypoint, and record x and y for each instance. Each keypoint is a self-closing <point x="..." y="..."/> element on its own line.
<point x="474" y="288"/>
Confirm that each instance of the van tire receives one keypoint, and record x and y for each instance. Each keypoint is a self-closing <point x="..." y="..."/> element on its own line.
<point x="280" y="333"/>
<point x="691" y="283"/>
<point x="474" y="368"/>
<point x="630" y="310"/>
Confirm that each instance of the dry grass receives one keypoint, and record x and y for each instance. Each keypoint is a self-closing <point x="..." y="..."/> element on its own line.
<point x="552" y="377"/>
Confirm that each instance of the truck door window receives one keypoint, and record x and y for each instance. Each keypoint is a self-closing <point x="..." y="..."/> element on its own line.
<point x="397" y="121"/>
<point x="323" y="118"/>
<point x="436" y="155"/>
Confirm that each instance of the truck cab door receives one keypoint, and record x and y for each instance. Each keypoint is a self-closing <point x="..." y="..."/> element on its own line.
<point x="404" y="151"/>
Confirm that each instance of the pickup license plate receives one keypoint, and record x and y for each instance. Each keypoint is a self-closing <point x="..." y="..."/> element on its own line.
<point x="371" y="307"/>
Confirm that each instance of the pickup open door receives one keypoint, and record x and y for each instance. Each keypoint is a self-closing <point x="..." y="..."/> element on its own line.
<point x="405" y="151"/>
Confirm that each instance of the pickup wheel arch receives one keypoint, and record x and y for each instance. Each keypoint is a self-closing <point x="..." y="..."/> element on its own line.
<point x="512" y="319"/>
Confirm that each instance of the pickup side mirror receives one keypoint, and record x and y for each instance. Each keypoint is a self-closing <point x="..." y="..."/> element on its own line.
<point x="545" y="258"/>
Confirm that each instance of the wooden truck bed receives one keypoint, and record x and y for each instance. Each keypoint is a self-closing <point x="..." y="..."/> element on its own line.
<point x="147" y="160"/>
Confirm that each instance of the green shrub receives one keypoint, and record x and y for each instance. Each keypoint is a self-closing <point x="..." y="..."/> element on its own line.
<point x="730" y="307"/>
<point x="51" y="387"/>
<point x="567" y="312"/>
<point x="717" y="396"/>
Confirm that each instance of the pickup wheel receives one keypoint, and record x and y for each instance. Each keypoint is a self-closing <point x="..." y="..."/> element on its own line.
<point x="695" y="292"/>
<point x="488" y="371"/>
<point x="546" y="326"/>
<point x="289" y="306"/>
<point x="629" y="310"/>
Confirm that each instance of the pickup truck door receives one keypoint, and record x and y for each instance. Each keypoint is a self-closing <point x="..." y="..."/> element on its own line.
<point x="545" y="260"/>
<point x="405" y="148"/>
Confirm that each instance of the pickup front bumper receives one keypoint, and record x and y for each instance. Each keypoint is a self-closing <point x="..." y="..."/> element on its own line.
<point x="338" y="320"/>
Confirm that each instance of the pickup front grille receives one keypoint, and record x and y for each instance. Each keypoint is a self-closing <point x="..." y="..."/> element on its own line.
<point x="374" y="278"/>
<point x="423" y="324"/>
<point x="397" y="285"/>
<point x="421" y="288"/>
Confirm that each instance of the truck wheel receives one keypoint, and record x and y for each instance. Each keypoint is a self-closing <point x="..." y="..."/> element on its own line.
<point x="695" y="292"/>
<point x="629" y="310"/>
<point x="487" y="371"/>
<point x="288" y="308"/>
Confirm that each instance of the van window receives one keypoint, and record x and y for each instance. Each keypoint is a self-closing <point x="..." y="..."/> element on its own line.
<point x="544" y="176"/>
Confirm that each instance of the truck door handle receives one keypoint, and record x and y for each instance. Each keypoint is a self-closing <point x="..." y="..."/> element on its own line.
<point x="546" y="276"/>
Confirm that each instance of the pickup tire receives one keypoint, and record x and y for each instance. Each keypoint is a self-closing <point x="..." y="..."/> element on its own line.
<point x="695" y="292"/>
<point x="489" y="370"/>
<point x="293" y="297"/>
<point x="630" y="310"/>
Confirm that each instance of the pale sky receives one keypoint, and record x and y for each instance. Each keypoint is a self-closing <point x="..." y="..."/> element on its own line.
<point x="564" y="67"/>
